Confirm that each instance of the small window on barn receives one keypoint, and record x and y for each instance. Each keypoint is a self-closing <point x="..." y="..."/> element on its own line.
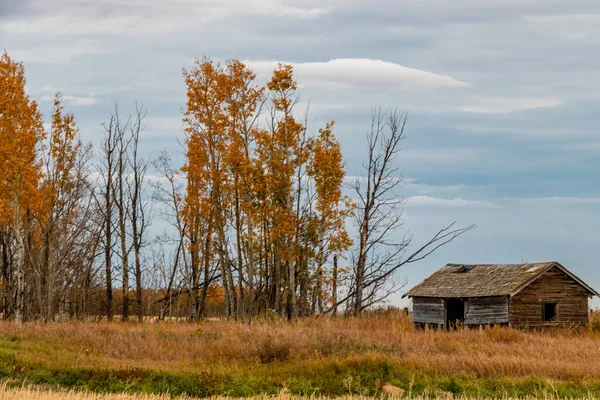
<point x="463" y="269"/>
<point x="549" y="312"/>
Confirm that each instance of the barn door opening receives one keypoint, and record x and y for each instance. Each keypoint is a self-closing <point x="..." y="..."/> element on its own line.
<point x="455" y="313"/>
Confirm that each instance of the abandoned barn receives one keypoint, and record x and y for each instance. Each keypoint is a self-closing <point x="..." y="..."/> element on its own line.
<point x="523" y="296"/>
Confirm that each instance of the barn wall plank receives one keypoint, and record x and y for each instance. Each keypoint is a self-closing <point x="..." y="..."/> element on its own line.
<point x="486" y="310"/>
<point x="554" y="286"/>
<point x="428" y="310"/>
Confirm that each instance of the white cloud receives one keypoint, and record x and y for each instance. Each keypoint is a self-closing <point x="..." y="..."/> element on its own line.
<point x="363" y="73"/>
<point x="562" y="201"/>
<point x="74" y="101"/>
<point x="59" y="54"/>
<point x="429" y="201"/>
<point x="413" y="186"/>
<point x="572" y="27"/>
<point x="163" y="127"/>
<point x="505" y="105"/>
<point x="563" y="18"/>
<point x="80" y="101"/>
<point x="447" y="155"/>
<point x="143" y="17"/>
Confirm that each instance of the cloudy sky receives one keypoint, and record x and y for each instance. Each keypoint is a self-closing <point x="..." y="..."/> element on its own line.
<point x="502" y="97"/>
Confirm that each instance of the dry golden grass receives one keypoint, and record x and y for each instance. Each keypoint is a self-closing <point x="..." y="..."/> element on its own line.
<point x="378" y="354"/>
<point x="227" y="346"/>
<point x="37" y="394"/>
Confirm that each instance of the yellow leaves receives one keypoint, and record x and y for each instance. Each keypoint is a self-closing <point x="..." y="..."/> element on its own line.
<point x="283" y="79"/>
<point x="60" y="180"/>
<point x="221" y="107"/>
<point x="241" y="174"/>
<point x="64" y="146"/>
<point x="327" y="170"/>
<point x="21" y="133"/>
<point x="282" y="85"/>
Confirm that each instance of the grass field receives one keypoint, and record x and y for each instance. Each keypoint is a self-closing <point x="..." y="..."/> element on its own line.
<point x="37" y="394"/>
<point x="317" y="357"/>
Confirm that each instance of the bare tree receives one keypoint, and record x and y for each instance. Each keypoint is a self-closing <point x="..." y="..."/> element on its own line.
<point x="107" y="170"/>
<point x="192" y="247"/>
<point x="378" y="217"/>
<point x="168" y="192"/>
<point x="139" y="206"/>
<point x="122" y="205"/>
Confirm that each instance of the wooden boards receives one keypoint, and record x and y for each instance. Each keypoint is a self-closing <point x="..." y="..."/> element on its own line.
<point x="486" y="310"/>
<point x="428" y="310"/>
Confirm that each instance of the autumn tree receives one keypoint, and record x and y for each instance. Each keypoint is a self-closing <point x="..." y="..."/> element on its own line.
<point x="48" y="230"/>
<point x="205" y="123"/>
<point x="222" y="109"/>
<point x="249" y="208"/>
<point x="282" y="152"/>
<point x="66" y="232"/>
<point x="326" y="169"/>
<point x="244" y="104"/>
<point x="21" y="135"/>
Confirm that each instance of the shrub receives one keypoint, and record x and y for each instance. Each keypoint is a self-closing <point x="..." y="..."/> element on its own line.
<point x="272" y="349"/>
<point x="595" y="322"/>
<point x="503" y="334"/>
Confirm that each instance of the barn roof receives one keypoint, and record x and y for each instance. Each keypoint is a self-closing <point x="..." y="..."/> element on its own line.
<point x="481" y="280"/>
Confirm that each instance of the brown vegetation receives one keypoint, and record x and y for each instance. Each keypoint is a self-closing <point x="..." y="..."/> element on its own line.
<point x="37" y="394"/>
<point x="222" y="345"/>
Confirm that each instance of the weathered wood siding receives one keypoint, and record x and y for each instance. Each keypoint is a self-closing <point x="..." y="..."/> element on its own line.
<point x="554" y="286"/>
<point x="486" y="310"/>
<point x="428" y="310"/>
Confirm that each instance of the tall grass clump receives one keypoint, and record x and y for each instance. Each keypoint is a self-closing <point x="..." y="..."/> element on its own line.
<point x="595" y="322"/>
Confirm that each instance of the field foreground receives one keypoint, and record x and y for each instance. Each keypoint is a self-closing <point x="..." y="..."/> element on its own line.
<point x="317" y="357"/>
<point x="37" y="394"/>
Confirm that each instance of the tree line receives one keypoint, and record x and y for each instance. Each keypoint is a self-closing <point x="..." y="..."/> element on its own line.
<point x="258" y="216"/>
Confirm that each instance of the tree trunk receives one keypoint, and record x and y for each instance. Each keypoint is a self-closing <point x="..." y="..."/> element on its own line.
<point x="138" y="284"/>
<point x="123" y="232"/>
<point x="19" y="266"/>
<point x="6" y="279"/>
<point x="360" y="270"/>
<point x="238" y="233"/>
<point x="334" y="288"/>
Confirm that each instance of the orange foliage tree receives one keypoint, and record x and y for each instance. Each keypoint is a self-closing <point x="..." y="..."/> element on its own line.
<point x="47" y="227"/>
<point x="61" y="242"/>
<point x="248" y="202"/>
<point x="21" y="133"/>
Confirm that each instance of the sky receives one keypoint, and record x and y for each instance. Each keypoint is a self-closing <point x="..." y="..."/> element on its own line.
<point x="502" y="98"/>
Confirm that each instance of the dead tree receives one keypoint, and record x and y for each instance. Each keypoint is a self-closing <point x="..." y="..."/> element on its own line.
<point x="378" y="216"/>
<point x="107" y="171"/>
<point x="139" y="206"/>
<point x="122" y="205"/>
<point x="168" y="193"/>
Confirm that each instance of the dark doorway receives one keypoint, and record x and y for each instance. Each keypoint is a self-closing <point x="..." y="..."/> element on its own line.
<point x="455" y="313"/>
<point x="549" y="312"/>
